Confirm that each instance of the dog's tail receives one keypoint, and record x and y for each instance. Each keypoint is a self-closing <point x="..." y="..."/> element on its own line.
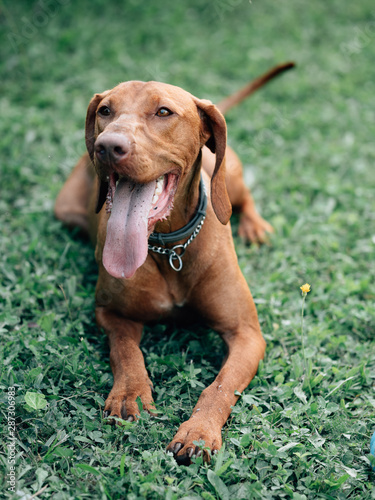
<point x="251" y="87"/>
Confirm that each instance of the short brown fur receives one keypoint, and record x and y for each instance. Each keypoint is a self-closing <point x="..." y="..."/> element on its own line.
<point x="210" y="285"/>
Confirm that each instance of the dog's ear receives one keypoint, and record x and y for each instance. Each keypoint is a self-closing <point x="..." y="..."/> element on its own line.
<point x="214" y="136"/>
<point x="90" y="137"/>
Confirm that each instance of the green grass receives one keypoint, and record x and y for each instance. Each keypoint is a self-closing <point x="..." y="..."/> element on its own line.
<point x="307" y="142"/>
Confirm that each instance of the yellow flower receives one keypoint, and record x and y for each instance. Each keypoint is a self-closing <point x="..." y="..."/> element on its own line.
<point x="305" y="288"/>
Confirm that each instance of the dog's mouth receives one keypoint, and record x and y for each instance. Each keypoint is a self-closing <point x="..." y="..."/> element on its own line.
<point x="162" y="200"/>
<point x="134" y="210"/>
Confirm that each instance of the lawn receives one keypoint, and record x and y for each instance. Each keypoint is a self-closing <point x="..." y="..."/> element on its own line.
<point x="302" y="429"/>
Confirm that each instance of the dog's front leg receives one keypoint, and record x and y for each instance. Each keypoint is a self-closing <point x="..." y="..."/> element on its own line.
<point x="214" y="404"/>
<point x="234" y="316"/>
<point x="129" y="372"/>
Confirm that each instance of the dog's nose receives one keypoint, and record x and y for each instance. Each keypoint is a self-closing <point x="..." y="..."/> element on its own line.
<point x="114" y="147"/>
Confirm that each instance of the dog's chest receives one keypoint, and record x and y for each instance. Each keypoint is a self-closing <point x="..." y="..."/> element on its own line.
<point x="148" y="302"/>
<point x="170" y="302"/>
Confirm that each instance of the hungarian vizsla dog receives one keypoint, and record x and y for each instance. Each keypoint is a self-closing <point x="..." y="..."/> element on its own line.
<point x="162" y="249"/>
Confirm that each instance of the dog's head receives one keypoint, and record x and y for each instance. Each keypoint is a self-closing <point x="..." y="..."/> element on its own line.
<point x="143" y="139"/>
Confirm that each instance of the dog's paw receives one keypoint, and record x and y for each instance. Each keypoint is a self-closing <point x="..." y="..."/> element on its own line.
<point x="183" y="444"/>
<point x="125" y="406"/>
<point x="253" y="228"/>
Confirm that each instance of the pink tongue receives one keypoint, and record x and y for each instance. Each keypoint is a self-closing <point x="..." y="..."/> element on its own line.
<point x="126" y="243"/>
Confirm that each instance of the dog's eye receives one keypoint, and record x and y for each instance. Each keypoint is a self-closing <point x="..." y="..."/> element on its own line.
<point x="162" y="112"/>
<point x="104" y="111"/>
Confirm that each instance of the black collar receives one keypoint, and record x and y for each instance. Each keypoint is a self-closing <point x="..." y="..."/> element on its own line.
<point x="191" y="226"/>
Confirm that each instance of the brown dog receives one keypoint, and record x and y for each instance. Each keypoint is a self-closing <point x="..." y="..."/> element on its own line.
<point x="148" y="143"/>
